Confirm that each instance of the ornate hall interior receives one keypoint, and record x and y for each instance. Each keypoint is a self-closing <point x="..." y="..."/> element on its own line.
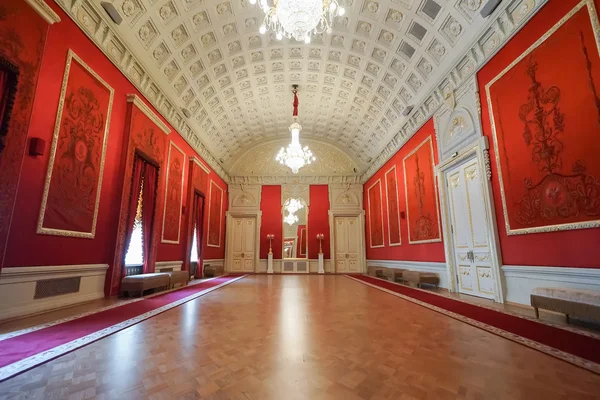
<point x="299" y="199"/>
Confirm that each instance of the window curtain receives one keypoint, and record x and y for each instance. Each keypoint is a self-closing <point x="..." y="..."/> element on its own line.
<point x="149" y="195"/>
<point x="199" y="220"/>
<point x="136" y="187"/>
<point x="5" y="92"/>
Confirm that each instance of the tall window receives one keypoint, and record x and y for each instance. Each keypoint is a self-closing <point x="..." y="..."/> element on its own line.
<point x="194" y="256"/>
<point x="135" y="252"/>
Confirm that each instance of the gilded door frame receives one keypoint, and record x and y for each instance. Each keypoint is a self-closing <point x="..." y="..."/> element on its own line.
<point x="362" y="257"/>
<point x="231" y="215"/>
<point x="480" y="151"/>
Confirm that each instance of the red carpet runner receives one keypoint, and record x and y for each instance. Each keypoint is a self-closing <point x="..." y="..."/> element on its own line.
<point x="577" y="348"/>
<point x="25" y="351"/>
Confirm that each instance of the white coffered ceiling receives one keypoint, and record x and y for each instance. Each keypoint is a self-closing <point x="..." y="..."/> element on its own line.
<point x="207" y="56"/>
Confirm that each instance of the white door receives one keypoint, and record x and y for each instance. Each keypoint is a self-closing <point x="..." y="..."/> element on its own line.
<point x="347" y="244"/>
<point x="470" y="230"/>
<point x="243" y="244"/>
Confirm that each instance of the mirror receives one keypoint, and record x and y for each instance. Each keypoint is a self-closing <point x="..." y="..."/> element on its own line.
<point x="295" y="228"/>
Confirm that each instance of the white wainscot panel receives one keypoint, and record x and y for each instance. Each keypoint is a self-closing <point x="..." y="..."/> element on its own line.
<point x="422" y="266"/>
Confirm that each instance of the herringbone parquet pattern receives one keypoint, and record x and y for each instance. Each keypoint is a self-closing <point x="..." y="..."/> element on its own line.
<point x="303" y="337"/>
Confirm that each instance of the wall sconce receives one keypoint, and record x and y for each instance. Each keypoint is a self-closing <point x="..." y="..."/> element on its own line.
<point x="270" y="237"/>
<point x="320" y="238"/>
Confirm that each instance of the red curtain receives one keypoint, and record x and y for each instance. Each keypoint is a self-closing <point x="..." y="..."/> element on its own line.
<point x="136" y="186"/>
<point x="199" y="220"/>
<point x="149" y="196"/>
<point x="4" y="93"/>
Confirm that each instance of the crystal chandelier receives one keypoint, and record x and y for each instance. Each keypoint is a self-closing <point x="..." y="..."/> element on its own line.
<point x="293" y="205"/>
<point x="290" y="219"/>
<point x="299" y="19"/>
<point x="294" y="156"/>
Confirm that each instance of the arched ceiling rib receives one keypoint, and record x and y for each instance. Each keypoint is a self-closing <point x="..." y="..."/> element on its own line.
<point x="208" y="56"/>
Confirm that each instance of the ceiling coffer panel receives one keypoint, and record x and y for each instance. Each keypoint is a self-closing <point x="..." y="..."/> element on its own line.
<point x="208" y="56"/>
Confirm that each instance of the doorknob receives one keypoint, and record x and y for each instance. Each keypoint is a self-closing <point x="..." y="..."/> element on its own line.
<point x="242" y="255"/>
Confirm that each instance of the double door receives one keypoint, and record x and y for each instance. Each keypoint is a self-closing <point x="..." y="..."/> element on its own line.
<point x="347" y="244"/>
<point x="244" y="244"/>
<point x="470" y="230"/>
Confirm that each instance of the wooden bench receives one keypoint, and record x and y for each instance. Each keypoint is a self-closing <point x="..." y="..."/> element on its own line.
<point x="178" y="277"/>
<point x="418" y="278"/>
<point x="211" y="271"/>
<point x="571" y="302"/>
<point x="142" y="282"/>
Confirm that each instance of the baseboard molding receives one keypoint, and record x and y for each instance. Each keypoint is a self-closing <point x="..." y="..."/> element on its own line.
<point x="522" y="279"/>
<point x="423" y="266"/>
<point x="17" y="285"/>
<point x="313" y="266"/>
<point x="160" y="265"/>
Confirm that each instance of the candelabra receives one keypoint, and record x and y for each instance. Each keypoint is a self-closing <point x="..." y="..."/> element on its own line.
<point x="270" y="237"/>
<point x="320" y="238"/>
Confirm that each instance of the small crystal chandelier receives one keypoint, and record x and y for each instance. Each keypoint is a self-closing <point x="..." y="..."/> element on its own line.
<point x="294" y="156"/>
<point x="290" y="219"/>
<point x="293" y="205"/>
<point x="299" y="19"/>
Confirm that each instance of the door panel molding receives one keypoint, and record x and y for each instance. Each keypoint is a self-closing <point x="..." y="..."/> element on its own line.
<point x="241" y="264"/>
<point x="477" y="153"/>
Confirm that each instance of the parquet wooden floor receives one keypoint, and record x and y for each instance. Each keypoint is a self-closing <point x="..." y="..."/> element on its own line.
<point x="303" y="337"/>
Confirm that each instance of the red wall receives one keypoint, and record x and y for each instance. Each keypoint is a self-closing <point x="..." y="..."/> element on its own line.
<point x="57" y="250"/>
<point x="318" y="221"/>
<point x="272" y="223"/>
<point x="406" y="251"/>
<point x="575" y="248"/>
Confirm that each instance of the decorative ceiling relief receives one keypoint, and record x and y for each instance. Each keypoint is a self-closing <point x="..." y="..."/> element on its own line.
<point x="260" y="161"/>
<point x="208" y="57"/>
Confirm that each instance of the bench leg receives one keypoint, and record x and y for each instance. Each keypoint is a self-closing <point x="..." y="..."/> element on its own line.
<point x="537" y="312"/>
<point x="568" y="318"/>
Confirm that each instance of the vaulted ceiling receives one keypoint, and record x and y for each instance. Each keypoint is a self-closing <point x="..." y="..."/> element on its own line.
<point x="208" y="57"/>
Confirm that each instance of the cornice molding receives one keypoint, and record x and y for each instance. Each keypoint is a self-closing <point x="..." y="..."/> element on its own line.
<point x="507" y="20"/>
<point x="44" y="11"/>
<point x="286" y="180"/>
<point x="94" y="23"/>
<point x="200" y="164"/>
<point x="139" y="103"/>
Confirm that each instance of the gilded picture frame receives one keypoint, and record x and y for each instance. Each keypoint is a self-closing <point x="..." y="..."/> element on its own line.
<point x="210" y="194"/>
<point x="393" y="170"/>
<point x="371" y="221"/>
<point x="596" y="30"/>
<point x="41" y="229"/>
<point x="172" y="146"/>
<point x="427" y="141"/>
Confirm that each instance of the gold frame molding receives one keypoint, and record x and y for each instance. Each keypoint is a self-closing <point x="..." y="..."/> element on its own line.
<point x="387" y="204"/>
<point x="435" y="191"/>
<point x="199" y="163"/>
<point x="370" y="216"/>
<point x="162" y="236"/>
<point x="61" y="232"/>
<point x="210" y="188"/>
<point x="596" y="29"/>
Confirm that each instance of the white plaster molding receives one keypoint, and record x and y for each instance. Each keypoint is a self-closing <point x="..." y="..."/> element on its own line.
<point x="200" y="164"/>
<point x="504" y="23"/>
<point x="44" y="11"/>
<point x="458" y="120"/>
<point x="139" y="103"/>
<point x="244" y="197"/>
<point x="17" y="285"/>
<point x="297" y="190"/>
<point x="32" y="274"/>
<point x="422" y="266"/>
<point x="522" y="279"/>
<point x="160" y="265"/>
<point x="345" y="197"/>
<point x="313" y="265"/>
<point x="89" y="16"/>
<point x="283" y="180"/>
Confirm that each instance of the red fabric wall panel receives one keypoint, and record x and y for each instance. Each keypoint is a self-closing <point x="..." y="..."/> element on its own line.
<point x="272" y="223"/>
<point x="318" y="220"/>
<point x="57" y="250"/>
<point x="575" y="248"/>
<point x="22" y="38"/>
<point x="211" y="252"/>
<point x="405" y="251"/>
